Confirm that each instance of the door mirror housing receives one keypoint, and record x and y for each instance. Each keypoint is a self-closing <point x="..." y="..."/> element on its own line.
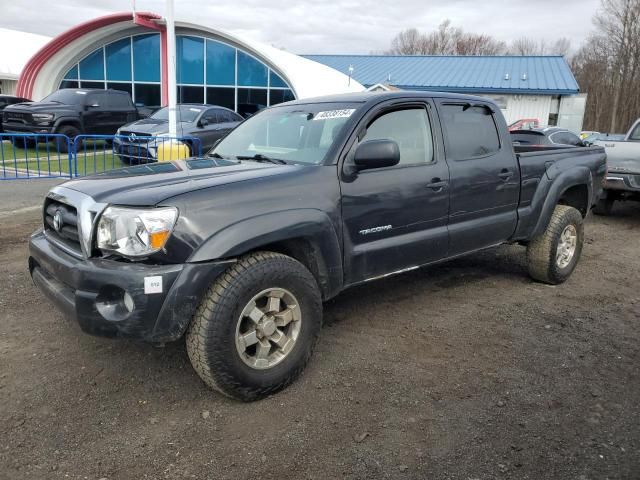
<point x="203" y="122"/>
<point x="376" y="154"/>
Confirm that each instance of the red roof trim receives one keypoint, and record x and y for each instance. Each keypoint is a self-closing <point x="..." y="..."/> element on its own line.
<point x="35" y="64"/>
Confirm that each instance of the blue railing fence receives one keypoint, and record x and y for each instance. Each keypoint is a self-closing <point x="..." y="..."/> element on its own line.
<point x="26" y="156"/>
<point x="35" y="156"/>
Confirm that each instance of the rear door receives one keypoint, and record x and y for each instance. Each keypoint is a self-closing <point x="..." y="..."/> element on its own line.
<point x="396" y="217"/>
<point x="96" y="113"/>
<point x="485" y="178"/>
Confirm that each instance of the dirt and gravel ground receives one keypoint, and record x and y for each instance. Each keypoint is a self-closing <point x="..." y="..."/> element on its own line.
<point x="467" y="370"/>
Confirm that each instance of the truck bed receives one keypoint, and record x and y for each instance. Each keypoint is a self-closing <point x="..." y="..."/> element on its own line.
<point x="541" y="165"/>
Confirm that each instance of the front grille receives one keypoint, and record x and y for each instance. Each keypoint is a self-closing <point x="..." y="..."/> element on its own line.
<point x="64" y="231"/>
<point x="133" y="137"/>
<point x="17" y="117"/>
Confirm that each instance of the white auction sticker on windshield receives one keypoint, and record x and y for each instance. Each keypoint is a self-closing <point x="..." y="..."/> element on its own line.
<point x="329" y="114"/>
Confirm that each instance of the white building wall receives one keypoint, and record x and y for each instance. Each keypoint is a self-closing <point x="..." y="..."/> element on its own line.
<point x="8" y="87"/>
<point x="528" y="106"/>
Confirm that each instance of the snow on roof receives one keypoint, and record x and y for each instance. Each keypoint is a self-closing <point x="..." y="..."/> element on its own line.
<point x="16" y="48"/>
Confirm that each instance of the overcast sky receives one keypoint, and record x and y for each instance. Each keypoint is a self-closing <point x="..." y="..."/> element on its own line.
<point x="326" y="26"/>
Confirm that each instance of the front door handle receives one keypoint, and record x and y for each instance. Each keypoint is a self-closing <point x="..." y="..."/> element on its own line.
<point x="437" y="184"/>
<point x="505" y="174"/>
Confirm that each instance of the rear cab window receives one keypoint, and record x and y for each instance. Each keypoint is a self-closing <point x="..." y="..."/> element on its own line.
<point x="470" y="131"/>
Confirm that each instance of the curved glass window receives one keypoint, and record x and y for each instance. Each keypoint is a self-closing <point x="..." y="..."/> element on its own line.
<point x="251" y="73"/>
<point x="190" y="60"/>
<point x="221" y="64"/>
<point x="208" y="71"/>
<point x="118" y="57"/>
<point x="92" y="66"/>
<point x="146" y="58"/>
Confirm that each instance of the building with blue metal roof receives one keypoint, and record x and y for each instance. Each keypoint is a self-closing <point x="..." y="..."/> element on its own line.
<point x="540" y="87"/>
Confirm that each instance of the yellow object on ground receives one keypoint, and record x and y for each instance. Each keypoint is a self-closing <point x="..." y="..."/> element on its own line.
<point x="168" y="151"/>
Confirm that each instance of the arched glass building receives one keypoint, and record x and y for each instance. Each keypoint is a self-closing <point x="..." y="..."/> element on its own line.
<point x="208" y="71"/>
<point x="128" y="52"/>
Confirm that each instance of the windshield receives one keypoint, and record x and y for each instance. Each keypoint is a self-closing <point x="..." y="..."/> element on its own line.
<point x="67" y="97"/>
<point x="295" y="133"/>
<point x="184" y="113"/>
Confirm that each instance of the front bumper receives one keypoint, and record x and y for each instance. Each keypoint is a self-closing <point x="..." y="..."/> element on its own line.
<point x="91" y="292"/>
<point x="622" y="181"/>
<point x="27" y="128"/>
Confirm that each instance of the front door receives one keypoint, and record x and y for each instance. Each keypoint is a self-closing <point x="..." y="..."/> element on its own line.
<point x="395" y="217"/>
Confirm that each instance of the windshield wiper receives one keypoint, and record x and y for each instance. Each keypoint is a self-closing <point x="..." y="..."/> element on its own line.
<point x="258" y="157"/>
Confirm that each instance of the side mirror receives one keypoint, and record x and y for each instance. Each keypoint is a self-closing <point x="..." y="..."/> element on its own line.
<point x="376" y="154"/>
<point x="203" y="122"/>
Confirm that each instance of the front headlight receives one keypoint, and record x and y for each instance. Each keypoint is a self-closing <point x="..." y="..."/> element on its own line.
<point x="42" y="117"/>
<point x="133" y="232"/>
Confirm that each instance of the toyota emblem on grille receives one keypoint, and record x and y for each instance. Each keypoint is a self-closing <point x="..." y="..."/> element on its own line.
<point x="58" y="222"/>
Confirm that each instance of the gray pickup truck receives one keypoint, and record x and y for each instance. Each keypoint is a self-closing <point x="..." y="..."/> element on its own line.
<point x="237" y="251"/>
<point x="622" y="181"/>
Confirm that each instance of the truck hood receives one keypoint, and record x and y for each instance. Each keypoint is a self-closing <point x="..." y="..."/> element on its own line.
<point x="152" y="126"/>
<point x="622" y="156"/>
<point x="148" y="185"/>
<point x="35" y="107"/>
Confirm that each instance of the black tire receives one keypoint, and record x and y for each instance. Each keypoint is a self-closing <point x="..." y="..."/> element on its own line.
<point x="22" y="142"/>
<point x="543" y="249"/>
<point x="605" y="205"/>
<point x="211" y="337"/>
<point x="71" y="132"/>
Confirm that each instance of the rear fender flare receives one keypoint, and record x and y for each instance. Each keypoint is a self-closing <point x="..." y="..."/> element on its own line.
<point x="546" y="201"/>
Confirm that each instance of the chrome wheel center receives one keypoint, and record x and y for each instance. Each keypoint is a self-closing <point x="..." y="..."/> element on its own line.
<point x="268" y="328"/>
<point x="566" y="246"/>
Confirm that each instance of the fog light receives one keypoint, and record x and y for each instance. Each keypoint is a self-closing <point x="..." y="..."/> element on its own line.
<point x="114" y="303"/>
<point x="128" y="302"/>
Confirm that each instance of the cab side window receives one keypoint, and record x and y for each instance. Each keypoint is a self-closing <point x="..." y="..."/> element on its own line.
<point x="470" y="131"/>
<point x="211" y="116"/>
<point x="410" y="129"/>
<point x="635" y="135"/>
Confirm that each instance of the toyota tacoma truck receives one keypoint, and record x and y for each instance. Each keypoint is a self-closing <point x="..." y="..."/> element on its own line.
<point x="622" y="181"/>
<point x="238" y="250"/>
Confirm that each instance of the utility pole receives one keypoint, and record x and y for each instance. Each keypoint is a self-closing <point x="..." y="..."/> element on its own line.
<point x="171" y="67"/>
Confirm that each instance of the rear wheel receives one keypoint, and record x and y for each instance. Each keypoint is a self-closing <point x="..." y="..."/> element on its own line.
<point x="553" y="255"/>
<point x="256" y="327"/>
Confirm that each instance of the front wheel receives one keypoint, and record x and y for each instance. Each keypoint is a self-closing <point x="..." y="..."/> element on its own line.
<point x="256" y="327"/>
<point x="553" y="255"/>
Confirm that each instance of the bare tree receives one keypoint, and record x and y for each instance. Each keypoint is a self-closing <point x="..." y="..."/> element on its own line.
<point x="530" y="46"/>
<point x="407" y="42"/>
<point x="607" y="67"/>
<point x="446" y="40"/>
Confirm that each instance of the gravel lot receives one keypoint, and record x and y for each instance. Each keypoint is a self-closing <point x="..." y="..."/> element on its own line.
<point x="468" y="370"/>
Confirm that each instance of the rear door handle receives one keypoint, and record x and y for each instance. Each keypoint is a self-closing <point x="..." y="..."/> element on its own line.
<point x="437" y="184"/>
<point x="505" y="174"/>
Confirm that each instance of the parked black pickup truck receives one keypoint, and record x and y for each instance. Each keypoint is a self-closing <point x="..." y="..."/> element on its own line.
<point x="71" y="112"/>
<point x="237" y="251"/>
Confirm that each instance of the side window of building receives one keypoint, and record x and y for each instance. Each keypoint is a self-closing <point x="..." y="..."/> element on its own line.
<point x="469" y="131"/>
<point x="410" y="129"/>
